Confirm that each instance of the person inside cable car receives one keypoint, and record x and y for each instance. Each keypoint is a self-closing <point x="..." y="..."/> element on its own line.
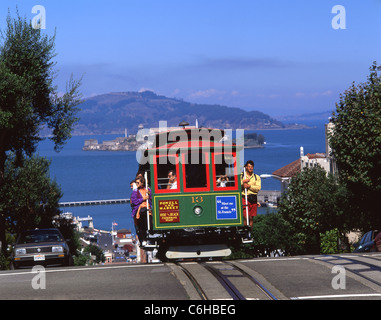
<point x="222" y="181"/>
<point x="172" y="180"/>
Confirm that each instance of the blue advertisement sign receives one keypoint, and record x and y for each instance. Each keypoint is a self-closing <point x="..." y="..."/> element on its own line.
<point x="226" y="207"/>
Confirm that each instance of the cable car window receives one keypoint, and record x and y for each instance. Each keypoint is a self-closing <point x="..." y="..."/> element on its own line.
<point x="166" y="174"/>
<point x="195" y="168"/>
<point x="225" y="170"/>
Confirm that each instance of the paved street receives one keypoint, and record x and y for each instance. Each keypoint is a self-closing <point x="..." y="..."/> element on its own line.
<point x="141" y="282"/>
<point x="318" y="277"/>
<point x="346" y="276"/>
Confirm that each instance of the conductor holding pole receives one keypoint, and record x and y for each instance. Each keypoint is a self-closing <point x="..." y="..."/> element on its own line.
<point x="251" y="184"/>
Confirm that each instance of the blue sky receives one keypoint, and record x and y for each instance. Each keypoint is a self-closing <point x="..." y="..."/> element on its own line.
<point x="279" y="57"/>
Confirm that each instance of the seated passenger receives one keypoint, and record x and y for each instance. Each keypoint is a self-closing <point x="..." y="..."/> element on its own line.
<point x="172" y="179"/>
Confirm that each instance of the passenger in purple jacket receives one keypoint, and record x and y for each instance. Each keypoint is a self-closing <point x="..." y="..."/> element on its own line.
<point x="138" y="203"/>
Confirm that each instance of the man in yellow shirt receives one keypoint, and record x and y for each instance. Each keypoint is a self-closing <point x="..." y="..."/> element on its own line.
<point x="252" y="183"/>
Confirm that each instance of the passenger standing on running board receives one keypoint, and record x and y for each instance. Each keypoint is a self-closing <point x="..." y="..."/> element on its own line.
<point x="252" y="183"/>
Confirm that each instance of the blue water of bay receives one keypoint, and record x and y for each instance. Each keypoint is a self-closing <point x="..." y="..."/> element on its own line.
<point x="102" y="175"/>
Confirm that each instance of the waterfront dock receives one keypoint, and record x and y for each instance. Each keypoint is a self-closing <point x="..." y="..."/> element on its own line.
<point x="269" y="197"/>
<point x="93" y="202"/>
<point x="264" y="197"/>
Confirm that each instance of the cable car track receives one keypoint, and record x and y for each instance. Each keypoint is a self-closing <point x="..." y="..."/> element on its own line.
<point x="231" y="277"/>
<point x="256" y="282"/>
<point x="225" y="282"/>
<point x="194" y="282"/>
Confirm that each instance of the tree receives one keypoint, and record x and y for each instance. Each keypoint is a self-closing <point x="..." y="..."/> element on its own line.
<point x="29" y="198"/>
<point x="313" y="204"/>
<point x="261" y="139"/>
<point x="271" y="232"/>
<point x="97" y="252"/>
<point x="356" y="144"/>
<point x="28" y="99"/>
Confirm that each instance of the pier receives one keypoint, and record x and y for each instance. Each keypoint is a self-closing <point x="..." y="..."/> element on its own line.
<point x="93" y="202"/>
<point x="269" y="197"/>
<point x="264" y="196"/>
<point x="88" y="218"/>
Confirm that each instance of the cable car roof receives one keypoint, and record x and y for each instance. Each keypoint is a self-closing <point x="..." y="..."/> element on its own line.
<point x="193" y="138"/>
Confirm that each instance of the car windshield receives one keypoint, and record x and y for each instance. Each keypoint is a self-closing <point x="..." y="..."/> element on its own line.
<point x="366" y="238"/>
<point x="36" y="236"/>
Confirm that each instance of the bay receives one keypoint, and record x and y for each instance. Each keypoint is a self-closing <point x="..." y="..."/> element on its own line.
<point x="103" y="175"/>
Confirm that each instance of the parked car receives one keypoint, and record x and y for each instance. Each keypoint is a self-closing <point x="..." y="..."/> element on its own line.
<point x="367" y="242"/>
<point x="41" y="247"/>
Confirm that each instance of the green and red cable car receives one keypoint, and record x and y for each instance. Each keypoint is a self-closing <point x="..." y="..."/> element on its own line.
<point x="201" y="215"/>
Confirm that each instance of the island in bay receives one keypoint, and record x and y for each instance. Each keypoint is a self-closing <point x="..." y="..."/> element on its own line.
<point x="131" y="143"/>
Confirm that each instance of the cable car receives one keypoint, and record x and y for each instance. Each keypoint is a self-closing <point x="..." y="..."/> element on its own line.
<point x="195" y="182"/>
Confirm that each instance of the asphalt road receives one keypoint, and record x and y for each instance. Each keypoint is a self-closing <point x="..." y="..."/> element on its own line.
<point x="140" y="282"/>
<point x="336" y="277"/>
<point x="298" y="278"/>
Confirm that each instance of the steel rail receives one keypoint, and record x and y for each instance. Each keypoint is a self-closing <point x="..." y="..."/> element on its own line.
<point x="255" y="281"/>
<point x="225" y="282"/>
<point x="194" y="282"/>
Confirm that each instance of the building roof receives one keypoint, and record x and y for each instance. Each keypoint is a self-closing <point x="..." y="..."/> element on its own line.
<point x="293" y="168"/>
<point x="315" y="155"/>
<point x="288" y="170"/>
<point x="124" y="231"/>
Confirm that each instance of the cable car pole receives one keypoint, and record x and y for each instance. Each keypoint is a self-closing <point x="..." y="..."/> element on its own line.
<point x="145" y="178"/>
<point x="247" y="204"/>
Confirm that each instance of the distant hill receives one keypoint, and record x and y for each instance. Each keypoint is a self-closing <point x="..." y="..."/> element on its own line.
<point x="113" y="112"/>
<point x="306" y="116"/>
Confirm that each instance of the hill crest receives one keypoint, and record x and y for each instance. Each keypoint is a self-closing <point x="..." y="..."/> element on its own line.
<point x="111" y="113"/>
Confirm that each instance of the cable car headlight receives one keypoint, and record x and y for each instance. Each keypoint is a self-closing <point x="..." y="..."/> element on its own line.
<point x="197" y="210"/>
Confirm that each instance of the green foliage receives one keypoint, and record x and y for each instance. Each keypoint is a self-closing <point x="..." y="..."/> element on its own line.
<point x="270" y="232"/>
<point x="356" y="144"/>
<point x="28" y="197"/>
<point x="96" y="251"/>
<point x="4" y="262"/>
<point x="28" y="98"/>
<point x="330" y="242"/>
<point x="253" y="139"/>
<point x="81" y="259"/>
<point x="313" y="204"/>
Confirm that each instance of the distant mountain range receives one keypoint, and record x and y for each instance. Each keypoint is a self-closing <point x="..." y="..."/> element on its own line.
<point x="115" y="112"/>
